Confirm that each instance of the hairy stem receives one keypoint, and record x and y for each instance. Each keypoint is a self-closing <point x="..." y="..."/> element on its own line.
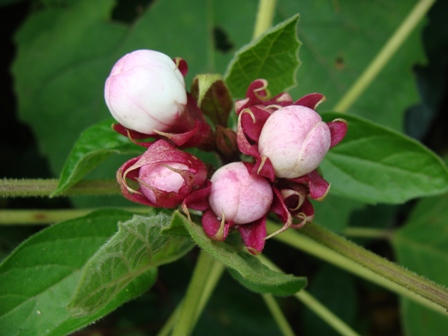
<point x="213" y="278"/>
<point x="265" y="16"/>
<point x="44" y="217"/>
<point x="323" y="244"/>
<point x="325" y="314"/>
<point x="192" y="301"/>
<point x="360" y="232"/>
<point x="385" y="54"/>
<point x="315" y="306"/>
<point x="276" y="312"/>
<point x="45" y="187"/>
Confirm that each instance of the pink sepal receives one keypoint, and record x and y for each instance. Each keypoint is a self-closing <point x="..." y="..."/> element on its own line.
<point x="216" y="229"/>
<point x="311" y="100"/>
<point x="264" y="167"/>
<point x="181" y="65"/>
<point x="254" y="235"/>
<point x="338" y="130"/>
<point x="317" y="186"/>
<point x="197" y="200"/>
<point x="258" y="94"/>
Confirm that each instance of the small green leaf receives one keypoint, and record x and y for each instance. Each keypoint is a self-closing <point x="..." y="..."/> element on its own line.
<point x="213" y="97"/>
<point x="422" y="246"/>
<point x="243" y="266"/>
<point x="38" y="279"/>
<point x="94" y="146"/>
<point x="137" y="248"/>
<point x="272" y="56"/>
<point x="375" y="164"/>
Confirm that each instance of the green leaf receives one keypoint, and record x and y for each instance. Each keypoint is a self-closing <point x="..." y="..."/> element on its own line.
<point x="422" y="246"/>
<point x="213" y="97"/>
<point x="137" y="248"/>
<point x="94" y="145"/>
<point x="334" y="212"/>
<point x="272" y="56"/>
<point x="340" y="39"/>
<point x="243" y="266"/>
<point x="376" y="164"/>
<point x="38" y="279"/>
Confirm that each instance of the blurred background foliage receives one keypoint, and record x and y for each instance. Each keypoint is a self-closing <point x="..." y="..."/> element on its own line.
<point x="57" y="54"/>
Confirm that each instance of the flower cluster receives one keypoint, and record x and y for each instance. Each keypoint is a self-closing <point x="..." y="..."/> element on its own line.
<point x="285" y="139"/>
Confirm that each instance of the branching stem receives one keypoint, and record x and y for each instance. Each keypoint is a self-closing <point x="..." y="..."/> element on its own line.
<point x="337" y="250"/>
<point x="385" y="54"/>
<point x="45" y="187"/>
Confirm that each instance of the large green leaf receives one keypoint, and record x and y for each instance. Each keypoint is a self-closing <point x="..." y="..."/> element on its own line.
<point x="422" y="246"/>
<point x="94" y="145"/>
<point x="138" y="247"/>
<point x="244" y="267"/>
<point x="65" y="55"/>
<point x="272" y="56"/>
<point x="340" y="39"/>
<point x="38" y="279"/>
<point x="375" y="164"/>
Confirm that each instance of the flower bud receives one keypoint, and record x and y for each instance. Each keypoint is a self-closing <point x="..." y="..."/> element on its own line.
<point x="145" y="92"/>
<point x="295" y="139"/>
<point x="239" y="197"/>
<point x="165" y="174"/>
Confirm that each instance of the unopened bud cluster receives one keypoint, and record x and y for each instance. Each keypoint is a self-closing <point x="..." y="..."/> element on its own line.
<point x="286" y="139"/>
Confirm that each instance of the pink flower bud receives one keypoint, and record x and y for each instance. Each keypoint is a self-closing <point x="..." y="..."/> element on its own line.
<point x="295" y="139"/>
<point x="166" y="175"/>
<point x="145" y="91"/>
<point x="239" y="197"/>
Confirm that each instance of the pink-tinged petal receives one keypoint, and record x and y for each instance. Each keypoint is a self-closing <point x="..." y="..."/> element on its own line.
<point x="238" y="195"/>
<point x="317" y="186"/>
<point x="181" y="65"/>
<point x="254" y="235"/>
<point x="311" y="100"/>
<point x="145" y="91"/>
<point x="295" y="139"/>
<point x="133" y="195"/>
<point x="338" y="130"/>
<point x="216" y="229"/>
<point x="263" y="167"/>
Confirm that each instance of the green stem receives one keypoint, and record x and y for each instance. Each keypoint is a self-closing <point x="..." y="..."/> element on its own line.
<point x="385" y="54"/>
<point x="265" y="16"/>
<point x="192" y="301"/>
<point x="213" y="278"/>
<point x="44" y="217"/>
<point x="277" y="314"/>
<point x="318" y="308"/>
<point x="360" y="232"/>
<point x="325" y="314"/>
<point x="44" y="188"/>
<point x="323" y="244"/>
